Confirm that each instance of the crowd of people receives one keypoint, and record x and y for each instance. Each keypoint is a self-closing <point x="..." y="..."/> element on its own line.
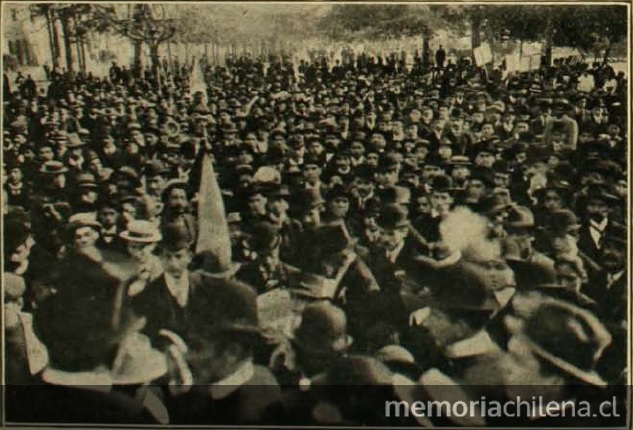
<point x="270" y="242"/>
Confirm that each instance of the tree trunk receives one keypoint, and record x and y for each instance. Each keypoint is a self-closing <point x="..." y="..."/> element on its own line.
<point x="475" y="33"/>
<point x="549" y="36"/>
<point x="56" y="44"/>
<point x="153" y="53"/>
<point x="426" y="50"/>
<point x="138" y="58"/>
<point x="82" y="46"/>
<point x="607" y="52"/>
<point x="51" y="44"/>
<point x="68" y="46"/>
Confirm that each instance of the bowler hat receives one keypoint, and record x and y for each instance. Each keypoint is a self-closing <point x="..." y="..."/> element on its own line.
<point x="172" y="185"/>
<point x="264" y="237"/>
<point x="393" y="217"/>
<point x="155" y="168"/>
<point x="333" y="238"/>
<point x="309" y="198"/>
<point x="222" y="306"/>
<point x="323" y="330"/>
<point x="16" y="231"/>
<point x="176" y="236"/>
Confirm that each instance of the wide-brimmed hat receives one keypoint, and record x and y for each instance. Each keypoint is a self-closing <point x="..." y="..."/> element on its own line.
<point x="53" y="167"/>
<point x="74" y="141"/>
<point x="563" y="221"/>
<point x="568" y="337"/>
<point x="97" y="315"/>
<point x="83" y="219"/>
<point x="140" y="231"/>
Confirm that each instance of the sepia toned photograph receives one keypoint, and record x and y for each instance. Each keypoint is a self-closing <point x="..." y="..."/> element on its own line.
<point x="319" y="215"/>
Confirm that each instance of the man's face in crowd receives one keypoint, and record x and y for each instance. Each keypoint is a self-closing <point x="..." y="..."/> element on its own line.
<point x="312" y="218"/>
<point x="277" y="206"/>
<point x="59" y="181"/>
<point x="597" y="209"/>
<point x="457" y="127"/>
<point x="445" y="151"/>
<point x="475" y="189"/>
<point x="378" y="141"/>
<point x="429" y="171"/>
<point x="357" y="149"/>
<point x="502" y="180"/>
<point x="177" y="200"/>
<point x="311" y="173"/>
<point x="568" y="277"/>
<point x="613" y="257"/>
<point x="372" y="159"/>
<point x="441" y="201"/>
<point x="257" y="204"/>
<point x="363" y="186"/>
<point x="427" y="116"/>
<point x="460" y="172"/>
<point x="391" y="238"/>
<point x="45" y="154"/>
<point x="155" y="185"/>
<point x="388" y="177"/>
<point x="487" y="130"/>
<point x="343" y="163"/>
<point x="315" y="148"/>
<point x="151" y="139"/>
<point x="15" y="175"/>
<point x="485" y="159"/>
<point x="437" y="126"/>
<point x="108" y="217"/>
<point x="397" y="128"/>
<point x="250" y="140"/>
<point x="477" y="117"/>
<point x="443" y="112"/>
<point x="412" y="131"/>
<point x="339" y="207"/>
<point x="423" y="205"/>
<point x="522" y="127"/>
<point x="85" y="237"/>
<point x="176" y="262"/>
<point x="140" y="252"/>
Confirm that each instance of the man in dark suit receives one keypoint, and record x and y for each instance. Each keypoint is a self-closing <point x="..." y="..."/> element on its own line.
<point x="164" y="301"/>
<point x="267" y="271"/>
<point x="597" y="224"/>
<point x="83" y="349"/>
<point x="223" y="330"/>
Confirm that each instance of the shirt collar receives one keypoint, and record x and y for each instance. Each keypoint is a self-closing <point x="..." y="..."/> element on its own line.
<point x="97" y="380"/>
<point x="178" y="288"/>
<point x="393" y="254"/>
<point x="615" y="276"/>
<point x="231" y="383"/>
<point x="479" y="344"/>
<point x="599" y="225"/>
